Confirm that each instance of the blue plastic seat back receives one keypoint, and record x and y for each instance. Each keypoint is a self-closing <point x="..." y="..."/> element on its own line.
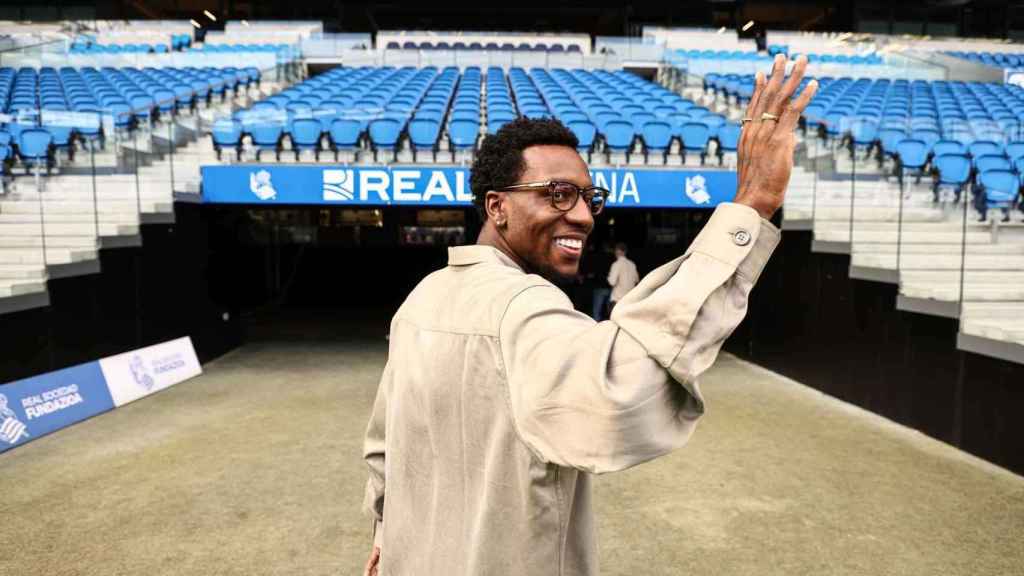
<point x="948" y="147"/>
<point x="863" y="132"/>
<point x="463" y="133"/>
<point x="889" y="138"/>
<point x="226" y="132"/>
<point x="657" y="135"/>
<point x="954" y="168"/>
<point x="345" y="132"/>
<point x="61" y="134"/>
<point x="729" y="137"/>
<point x="695" y="135"/>
<point x="585" y="133"/>
<point x="913" y="153"/>
<point x="992" y="162"/>
<point x="5" y="152"/>
<point x="384" y="132"/>
<point x="34" y="143"/>
<point x="981" y="148"/>
<point x="1001" y="186"/>
<point x="1015" y="150"/>
<point x="266" y="133"/>
<point x="618" y="135"/>
<point x="5" y="139"/>
<point x="165" y="100"/>
<point x="423" y="132"/>
<point x="306" y="132"/>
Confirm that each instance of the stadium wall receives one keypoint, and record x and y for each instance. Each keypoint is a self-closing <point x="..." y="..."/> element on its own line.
<point x="164" y="289"/>
<point x="810" y="321"/>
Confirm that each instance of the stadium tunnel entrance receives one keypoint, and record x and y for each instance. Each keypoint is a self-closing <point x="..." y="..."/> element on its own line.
<point x="278" y="259"/>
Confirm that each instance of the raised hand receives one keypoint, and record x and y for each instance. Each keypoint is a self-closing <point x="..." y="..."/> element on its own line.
<point x="765" y="152"/>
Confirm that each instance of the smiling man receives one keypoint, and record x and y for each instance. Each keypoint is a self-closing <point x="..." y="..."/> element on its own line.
<point x="499" y="400"/>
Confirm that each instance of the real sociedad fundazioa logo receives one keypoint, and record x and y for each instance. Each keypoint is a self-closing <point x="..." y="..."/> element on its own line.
<point x="697" y="189"/>
<point x="140" y="374"/>
<point x="339" y="185"/>
<point x="260" y="185"/>
<point x="11" y="429"/>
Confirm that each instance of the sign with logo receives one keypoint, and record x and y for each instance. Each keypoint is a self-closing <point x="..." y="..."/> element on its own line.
<point x="1013" y="76"/>
<point x="444" y="186"/>
<point x="132" y="375"/>
<point x="36" y="406"/>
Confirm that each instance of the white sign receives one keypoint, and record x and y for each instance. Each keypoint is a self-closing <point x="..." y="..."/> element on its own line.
<point x="132" y="375"/>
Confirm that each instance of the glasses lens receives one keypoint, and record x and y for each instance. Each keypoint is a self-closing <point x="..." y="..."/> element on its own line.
<point x="596" y="199"/>
<point x="564" y="194"/>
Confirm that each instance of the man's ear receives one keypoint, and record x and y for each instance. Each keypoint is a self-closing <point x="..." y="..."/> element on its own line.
<point x="494" y="205"/>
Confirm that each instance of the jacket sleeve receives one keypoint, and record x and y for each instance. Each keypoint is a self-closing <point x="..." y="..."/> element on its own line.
<point x="605" y="396"/>
<point x="373" y="454"/>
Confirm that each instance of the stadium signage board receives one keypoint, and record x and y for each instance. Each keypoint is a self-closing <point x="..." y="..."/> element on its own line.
<point x="35" y="406"/>
<point x="443" y="186"/>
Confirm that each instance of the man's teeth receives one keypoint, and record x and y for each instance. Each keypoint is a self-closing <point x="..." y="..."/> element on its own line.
<point x="569" y="243"/>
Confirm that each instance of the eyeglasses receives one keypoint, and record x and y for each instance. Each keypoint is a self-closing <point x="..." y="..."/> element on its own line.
<point x="564" y="195"/>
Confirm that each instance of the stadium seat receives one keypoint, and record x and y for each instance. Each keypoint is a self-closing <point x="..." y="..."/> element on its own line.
<point x="585" y="133"/>
<point x="657" y="135"/>
<point x="305" y="135"/>
<point x="384" y="134"/>
<point x="952" y="169"/>
<point x="728" y="140"/>
<point x="423" y="135"/>
<point x="267" y="135"/>
<point x="911" y="155"/>
<point x="996" y="189"/>
<point x="227" y="133"/>
<point x="35" y="147"/>
<point x="619" y="136"/>
<point x="695" y="136"/>
<point x="344" y="135"/>
<point x="463" y="134"/>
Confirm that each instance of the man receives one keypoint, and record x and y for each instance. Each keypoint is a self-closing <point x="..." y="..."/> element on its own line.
<point x="499" y="400"/>
<point x="622" y="276"/>
<point x="594" y="271"/>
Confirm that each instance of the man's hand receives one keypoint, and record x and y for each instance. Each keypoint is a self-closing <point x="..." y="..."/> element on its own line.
<point x="765" y="152"/>
<point x="373" y="562"/>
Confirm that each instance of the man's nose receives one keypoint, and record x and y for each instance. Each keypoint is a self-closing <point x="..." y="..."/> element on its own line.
<point x="580" y="214"/>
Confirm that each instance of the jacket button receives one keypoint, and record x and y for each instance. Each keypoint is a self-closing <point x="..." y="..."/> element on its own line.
<point x="741" y="237"/>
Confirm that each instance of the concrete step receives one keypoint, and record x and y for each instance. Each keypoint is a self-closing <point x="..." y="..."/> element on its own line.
<point x="16" y="287"/>
<point x="950" y="291"/>
<point x="51" y="206"/>
<point x="23" y="271"/>
<point x="53" y="255"/>
<point x="939" y="262"/>
<point x="83" y="217"/>
<point x="879" y="237"/>
<point x="988" y="277"/>
<point x="67" y="229"/>
<point x="994" y="328"/>
<point x="87" y="242"/>
<point x="933" y="248"/>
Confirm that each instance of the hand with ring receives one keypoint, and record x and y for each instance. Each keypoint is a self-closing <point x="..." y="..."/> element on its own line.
<point x="765" y="151"/>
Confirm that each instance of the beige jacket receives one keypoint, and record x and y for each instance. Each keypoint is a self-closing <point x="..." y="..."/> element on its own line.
<point x="499" y="400"/>
<point x="622" y="277"/>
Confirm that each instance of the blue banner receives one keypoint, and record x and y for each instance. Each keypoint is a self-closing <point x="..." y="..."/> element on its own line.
<point x="36" y="406"/>
<point x="444" y="186"/>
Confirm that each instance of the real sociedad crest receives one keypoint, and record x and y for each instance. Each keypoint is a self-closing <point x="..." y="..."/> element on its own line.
<point x="697" y="190"/>
<point x="260" y="185"/>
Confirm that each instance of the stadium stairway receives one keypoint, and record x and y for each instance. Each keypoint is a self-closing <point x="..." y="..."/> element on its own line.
<point x="55" y="226"/>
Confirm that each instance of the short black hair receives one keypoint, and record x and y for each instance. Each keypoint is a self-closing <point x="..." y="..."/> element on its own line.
<point x="621" y="246"/>
<point x="499" y="162"/>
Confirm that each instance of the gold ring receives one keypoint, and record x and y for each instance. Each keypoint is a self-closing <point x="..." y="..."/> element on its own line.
<point x="767" y="116"/>
<point x="745" y="120"/>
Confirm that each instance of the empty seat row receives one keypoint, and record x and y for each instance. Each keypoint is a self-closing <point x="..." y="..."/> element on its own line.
<point x="521" y="47"/>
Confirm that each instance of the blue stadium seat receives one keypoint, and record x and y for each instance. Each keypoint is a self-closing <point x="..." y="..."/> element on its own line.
<point x="267" y="135"/>
<point x="345" y="134"/>
<point x="585" y="133"/>
<point x="423" y="134"/>
<point x="657" y="136"/>
<point x="911" y="155"/>
<point x="384" y="134"/>
<point x="952" y="169"/>
<point x="463" y="134"/>
<point x="997" y="189"/>
<point x="35" y="147"/>
<point x="226" y="133"/>
<point x="728" y="140"/>
<point x="305" y="134"/>
<point x="618" y="135"/>
<point x="695" y="137"/>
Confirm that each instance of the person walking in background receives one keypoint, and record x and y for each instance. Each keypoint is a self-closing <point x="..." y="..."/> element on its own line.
<point x="622" y="276"/>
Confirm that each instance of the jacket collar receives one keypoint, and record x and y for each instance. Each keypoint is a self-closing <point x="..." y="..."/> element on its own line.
<point x="477" y="253"/>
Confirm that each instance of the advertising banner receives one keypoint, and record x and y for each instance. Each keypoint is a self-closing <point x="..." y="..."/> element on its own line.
<point x="132" y="375"/>
<point x="444" y="186"/>
<point x="36" y="406"/>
